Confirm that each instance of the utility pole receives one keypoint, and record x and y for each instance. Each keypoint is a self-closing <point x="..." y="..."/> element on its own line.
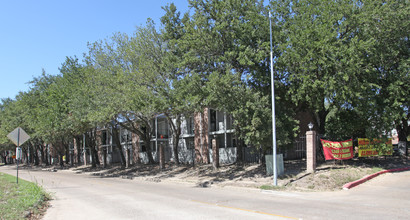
<point x="275" y="174"/>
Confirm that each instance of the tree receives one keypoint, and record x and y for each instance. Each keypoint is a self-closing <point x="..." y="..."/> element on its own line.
<point x="222" y="55"/>
<point x="9" y="118"/>
<point x="78" y="83"/>
<point x="335" y="56"/>
<point x="387" y="24"/>
<point x="124" y="93"/>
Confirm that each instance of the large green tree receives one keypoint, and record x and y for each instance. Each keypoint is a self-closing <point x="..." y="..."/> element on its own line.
<point x="222" y="52"/>
<point x="343" y="59"/>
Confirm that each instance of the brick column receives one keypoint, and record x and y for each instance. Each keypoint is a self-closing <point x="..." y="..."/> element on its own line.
<point x="135" y="148"/>
<point x="198" y="138"/>
<point x="201" y="137"/>
<point x="310" y="151"/>
<point x="205" y="136"/>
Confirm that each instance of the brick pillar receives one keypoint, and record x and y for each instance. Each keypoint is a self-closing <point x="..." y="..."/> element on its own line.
<point x="205" y="136"/>
<point x="198" y="138"/>
<point x="215" y="153"/>
<point x="135" y="148"/>
<point x="310" y="151"/>
<point x="201" y="137"/>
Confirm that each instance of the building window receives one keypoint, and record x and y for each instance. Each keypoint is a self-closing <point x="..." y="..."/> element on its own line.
<point x="212" y="114"/>
<point x="142" y="147"/>
<point x="125" y="136"/>
<point x="153" y="147"/>
<point x="190" y="143"/>
<point x="162" y="128"/>
<point x="190" y="125"/>
<point x="104" y="138"/>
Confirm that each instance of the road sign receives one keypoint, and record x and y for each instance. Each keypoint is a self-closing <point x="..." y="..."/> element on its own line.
<point x="19" y="154"/>
<point x="18" y="136"/>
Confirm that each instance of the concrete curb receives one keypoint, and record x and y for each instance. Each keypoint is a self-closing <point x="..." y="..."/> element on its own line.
<point x="350" y="185"/>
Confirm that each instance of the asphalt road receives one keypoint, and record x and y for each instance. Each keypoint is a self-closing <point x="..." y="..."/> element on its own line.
<point x="81" y="196"/>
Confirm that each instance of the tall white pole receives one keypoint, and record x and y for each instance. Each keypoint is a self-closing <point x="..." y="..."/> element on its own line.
<point x="275" y="174"/>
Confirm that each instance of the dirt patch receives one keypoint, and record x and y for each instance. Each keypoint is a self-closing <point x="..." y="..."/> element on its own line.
<point x="329" y="176"/>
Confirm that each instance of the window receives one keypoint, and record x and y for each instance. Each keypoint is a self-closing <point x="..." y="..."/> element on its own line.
<point x="220" y="118"/>
<point x="212" y="120"/>
<point x="162" y="128"/>
<point x="142" y="147"/>
<point x="104" y="138"/>
<point x="189" y="142"/>
<point x="153" y="147"/>
<point x="190" y="125"/>
<point x="125" y="136"/>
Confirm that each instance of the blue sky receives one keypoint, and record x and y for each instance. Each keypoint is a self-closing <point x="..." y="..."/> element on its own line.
<point x="36" y="35"/>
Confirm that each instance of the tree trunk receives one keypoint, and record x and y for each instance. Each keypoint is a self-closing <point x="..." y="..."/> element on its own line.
<point x="61" y="160"/>
<point x="176" y="133"/>
<point x="94" y="157"/>
<point x="67" y="154"/>
<point x="78" y="148"/>
<point x="90" y="142"/>
<point x="104" y="156"/>
<point x="35" y="154"/>
<point x="25" y="154"/>
<point x="403" y="129"/>
<point x="143" y="132"/>
<point x="239" y="148"/>
<point x="116" y="139"/>
<point x="175" y="148"/>
<point x="127" y="158"/>
<point x="3" y="158"/>
<point x="44" y="152"/>
<point x="147" y="142"/>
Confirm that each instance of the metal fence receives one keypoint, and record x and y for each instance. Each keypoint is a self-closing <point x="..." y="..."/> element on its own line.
<point x="299" y="148"/>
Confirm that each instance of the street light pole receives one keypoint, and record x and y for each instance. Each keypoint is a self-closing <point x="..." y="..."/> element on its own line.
<point x="275" y="174"/>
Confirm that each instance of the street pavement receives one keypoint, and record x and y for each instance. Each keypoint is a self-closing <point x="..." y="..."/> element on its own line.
<point x="82" y="196"/>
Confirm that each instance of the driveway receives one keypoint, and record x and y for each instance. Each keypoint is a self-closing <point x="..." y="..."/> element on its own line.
<point x="81" y="196"/>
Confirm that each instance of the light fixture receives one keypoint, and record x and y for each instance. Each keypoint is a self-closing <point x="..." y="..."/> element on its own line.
<point x="310" y="125"/>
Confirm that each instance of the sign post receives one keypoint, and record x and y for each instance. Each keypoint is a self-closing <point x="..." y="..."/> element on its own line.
<point x="18" y="136"/>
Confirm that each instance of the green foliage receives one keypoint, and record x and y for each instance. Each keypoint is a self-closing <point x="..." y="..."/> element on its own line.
<point x="345" y="56"/>
<point x="222" y="57"/>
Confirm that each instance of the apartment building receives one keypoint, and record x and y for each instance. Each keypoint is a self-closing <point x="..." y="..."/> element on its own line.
<point x="194" y="144"/>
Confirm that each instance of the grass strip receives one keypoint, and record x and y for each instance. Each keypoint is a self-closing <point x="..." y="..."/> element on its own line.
<point x="20" y="201"/>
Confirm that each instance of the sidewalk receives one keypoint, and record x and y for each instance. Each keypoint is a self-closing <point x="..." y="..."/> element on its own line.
<point x="369" y="177"/>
